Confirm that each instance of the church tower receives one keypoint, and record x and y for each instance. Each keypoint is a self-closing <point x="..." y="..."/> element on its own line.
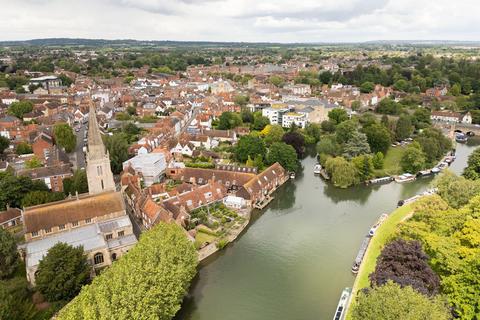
<point x="99" y="173"/>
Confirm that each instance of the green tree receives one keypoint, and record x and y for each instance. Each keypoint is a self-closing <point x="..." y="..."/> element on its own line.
<point x="328" y="126"/>
<point x="277" y="81"/>
<point x="434" y="144"/>
<point x="117" y="146"/>
<point x="391" y="302"/>
<point x="249" y="146"/>
<point x="241" y="100"/>
<point x="421" y="118"/>
<point x="314" y="130"/>
<point x="259" y="122"/>
<point x="272" y="133"/>
<point x="404" y="128"/>
<point x="328" y="145"/>
<point x="229" y="120"/>
<point x="364" y="165"/>
<point x="4" y="143"/>
<point x="378" y="138"/>
<point x="401" y="85"/>
<point x="16" y="300"/>
<point x="149" y="282"/>
<point x="356" y="105"/>
<point x="367" y="87"/>
<point x="284" y="154"/>
<point x="338" y="115"/>
<point x="33" y="162"/>
<point x="346" y="130"/>
<point x="34" y="198"/>
<point x="472" y="171"/>
<point x="413" y="159"/>
<point x="62" y="272"/>
<point x="456" y="191"/>
<point x="77" y="183"/>
<point x="23" y="148"/>
<point x="18" y="109"/>
<point x="356" y="145"/>
<point x="15" y="188"/>
<point x="456" y="89"/>
<point x="378" y="160"/>
<point x="8" y="254"/>
<point x="65" y="137"/>
<point x="296" y="140"/>
<point x="325" y="77"/>
<point x="343" y="173"/>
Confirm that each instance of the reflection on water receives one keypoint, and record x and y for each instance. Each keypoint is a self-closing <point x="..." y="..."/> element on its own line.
<point x="294" y="259"/>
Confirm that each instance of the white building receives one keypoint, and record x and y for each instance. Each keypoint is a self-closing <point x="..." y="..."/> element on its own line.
<point x="151" y="166"/>
<point x="275" y="113"/>
<point x="290" y="118"/>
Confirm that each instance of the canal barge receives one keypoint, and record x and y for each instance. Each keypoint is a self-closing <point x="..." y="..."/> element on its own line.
<point x="380" y="180"/>
<point x="360" y="255"/>
<point x="406" y="177"/>
<point x="340" y="312"/>
<point x="377" y="224"/>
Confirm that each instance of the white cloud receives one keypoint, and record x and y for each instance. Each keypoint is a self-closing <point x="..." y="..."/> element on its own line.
<point x="241" y="20"/>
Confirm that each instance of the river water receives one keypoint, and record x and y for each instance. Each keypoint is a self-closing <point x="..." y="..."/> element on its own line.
<point x="294" y="259"/>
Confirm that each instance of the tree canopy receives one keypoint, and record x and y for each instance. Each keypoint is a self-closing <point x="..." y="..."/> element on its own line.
<point x="343" y="173"/>
<point x="249" y="146"/>
<point x="18" y="109"/>
<point x="391" y="302"/>
<point x="9" y="258"/>
<point x="149" y="282"/>
<point x="284" y="154"/>
<point x="229" y="120"/>
<point x="65" y="137"/>
<point x="117" y="146"/>
<point x="413" y="159"/>
<point x="338" y="115"/>
<point x="62" y="272"/>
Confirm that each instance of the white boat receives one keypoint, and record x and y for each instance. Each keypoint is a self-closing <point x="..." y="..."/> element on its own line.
<point x="342" y="304"/>
<point x="435" y="170"/>
<point x="442" y="165"/>
<point x="317" y="169"/>
<point x="377" y="224"/>
<point x="292" y="175"/>
<point x="406" y="177"/>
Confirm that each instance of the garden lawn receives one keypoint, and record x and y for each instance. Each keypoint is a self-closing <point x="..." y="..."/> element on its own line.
<point x="202" y="238"/>
<point x="381" y="237"/>
<point x="392" y="162"/>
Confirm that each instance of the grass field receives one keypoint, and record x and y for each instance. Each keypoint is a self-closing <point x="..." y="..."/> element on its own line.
<point x="382" y="236"/>
<point x="392" y="162"/>
<point x="202" y="238"/>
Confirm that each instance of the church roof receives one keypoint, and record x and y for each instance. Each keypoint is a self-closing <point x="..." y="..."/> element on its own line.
<point x="71" y="210"/>
<point x="96" y="148"/>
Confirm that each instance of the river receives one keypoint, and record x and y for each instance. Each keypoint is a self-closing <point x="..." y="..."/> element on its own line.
<point x="294" y="259"/>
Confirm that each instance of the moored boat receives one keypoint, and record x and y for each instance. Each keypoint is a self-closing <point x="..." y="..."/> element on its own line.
<point x="342" y="304"/>
<point x="292" y="175"/>
<point x="406" y="177"/>
<point x="317" y="169"/>
<point x="380" y="180"/>
<point x="461" y="137"/>
<point x="435" y="170"/>
<point x="377" y="224"/>
<point x="360" y="255"/>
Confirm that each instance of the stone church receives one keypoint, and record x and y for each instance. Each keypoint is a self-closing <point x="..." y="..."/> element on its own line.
<point x="97" y="220"/>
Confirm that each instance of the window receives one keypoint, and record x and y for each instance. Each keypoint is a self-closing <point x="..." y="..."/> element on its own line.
<point x="99" y="170"/>
<point x="61" y="227"/>
<point x="34" y="233"/>
<point x="48" y="230"/>
<point x="109" y="236"/>
<point x="98" y="258"/>
<point x="121" y="233"/>
<point x="114" y="256"/>
<point x="75" y="223"/>
<point x="88" y="220"/>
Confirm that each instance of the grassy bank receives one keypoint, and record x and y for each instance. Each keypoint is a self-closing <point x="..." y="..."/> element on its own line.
<point x="391" y="162"/>
<point x="382" y="236"/>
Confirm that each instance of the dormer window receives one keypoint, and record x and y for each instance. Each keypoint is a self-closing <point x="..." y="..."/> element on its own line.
<point x="48" y="230"/>
<point x="34" y="233"/>
<point x="88" y="220"/>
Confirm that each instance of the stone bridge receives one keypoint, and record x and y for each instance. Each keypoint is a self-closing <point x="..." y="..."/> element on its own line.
<point x="468" y="129"/>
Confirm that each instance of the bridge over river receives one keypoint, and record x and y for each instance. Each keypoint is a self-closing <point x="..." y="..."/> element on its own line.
<point x="294" y="259"/>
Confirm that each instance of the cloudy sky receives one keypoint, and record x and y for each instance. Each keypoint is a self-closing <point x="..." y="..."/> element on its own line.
<point x="242" y="20"/>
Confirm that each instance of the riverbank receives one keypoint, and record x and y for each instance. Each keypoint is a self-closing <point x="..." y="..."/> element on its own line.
<point x="382" y="236"/>
<point x="217" y="245"/>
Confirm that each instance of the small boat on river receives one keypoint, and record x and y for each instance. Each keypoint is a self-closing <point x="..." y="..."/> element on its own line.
<point x="340" y="312"/>
<point x="377" y="224"/>
<point x="406" y="177"/>
<point x="360" y="255"/>
<point x="461" y="137"/>
<point x="317" y="169"/>
<point x="380" y="180"/>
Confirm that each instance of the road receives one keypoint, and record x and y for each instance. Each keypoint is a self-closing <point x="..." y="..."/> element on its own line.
<point x="78" y="157"/>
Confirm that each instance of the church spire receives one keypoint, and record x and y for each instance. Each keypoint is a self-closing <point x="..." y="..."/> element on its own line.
<point x="99" y="173"/>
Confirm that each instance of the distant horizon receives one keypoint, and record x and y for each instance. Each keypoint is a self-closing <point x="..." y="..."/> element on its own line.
<point x="378" y="41"/>
<point x="249" y="21"/>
